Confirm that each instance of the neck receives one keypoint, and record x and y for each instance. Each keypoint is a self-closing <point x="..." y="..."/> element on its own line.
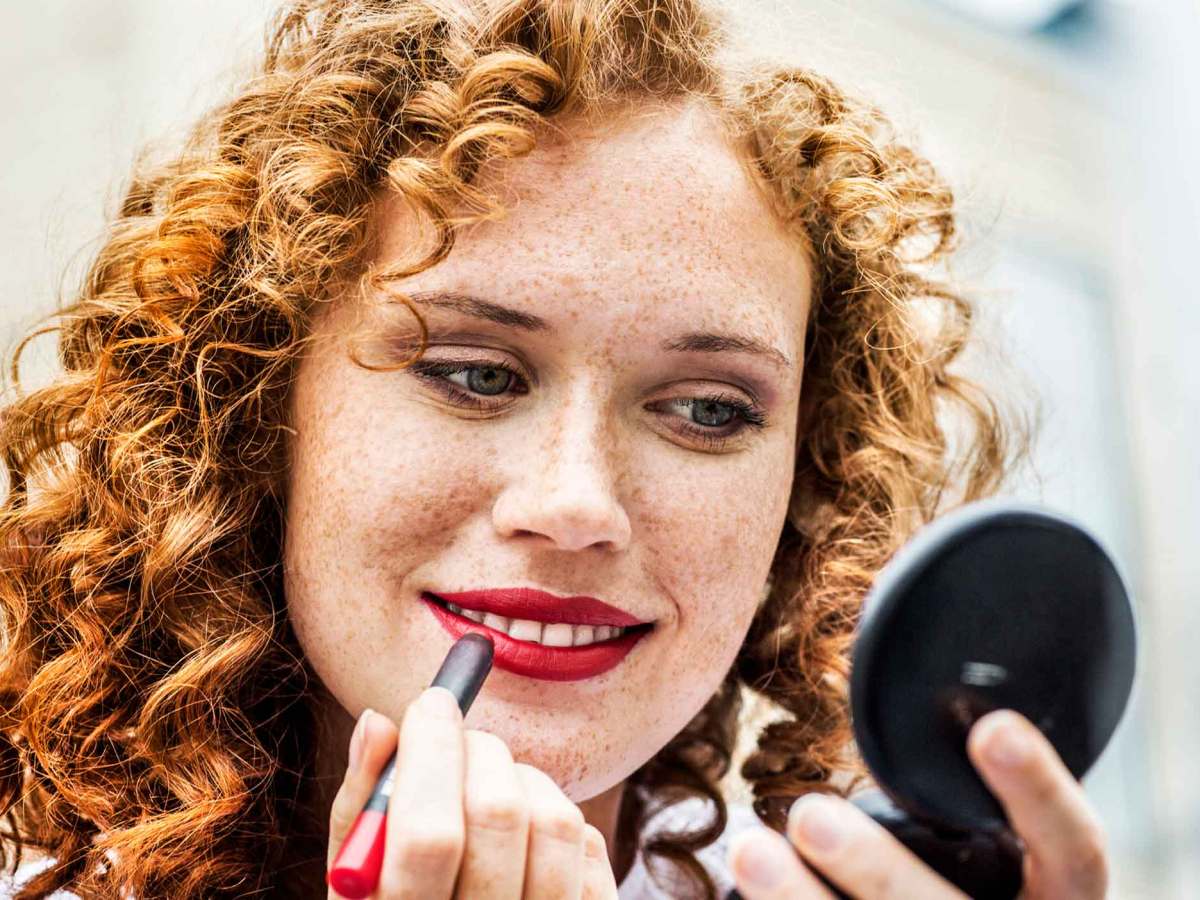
<point x="603" y="812"/>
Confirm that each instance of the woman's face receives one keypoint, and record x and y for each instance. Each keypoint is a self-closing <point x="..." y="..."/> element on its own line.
<point x="589" y="472"/>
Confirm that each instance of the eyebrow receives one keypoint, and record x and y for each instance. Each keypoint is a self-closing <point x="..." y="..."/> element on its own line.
<point x="712" y="342"/>
<point x="692" y="342"/>
<point x="482" y="309"/>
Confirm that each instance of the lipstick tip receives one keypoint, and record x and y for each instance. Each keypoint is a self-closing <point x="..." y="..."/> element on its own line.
<point x="466" y="666"/>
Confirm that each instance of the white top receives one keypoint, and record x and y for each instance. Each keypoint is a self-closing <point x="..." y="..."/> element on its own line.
<point x="637" y="885"/>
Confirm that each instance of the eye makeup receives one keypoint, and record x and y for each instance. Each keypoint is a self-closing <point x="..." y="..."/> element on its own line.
<point x="743" y="414"/>
<point x="435" y="373"/>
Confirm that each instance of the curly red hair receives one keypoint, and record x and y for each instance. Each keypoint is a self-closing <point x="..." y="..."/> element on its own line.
<point x="157" y="714"/>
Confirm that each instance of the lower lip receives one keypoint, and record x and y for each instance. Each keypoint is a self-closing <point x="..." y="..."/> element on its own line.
<point x="539" y="661"/>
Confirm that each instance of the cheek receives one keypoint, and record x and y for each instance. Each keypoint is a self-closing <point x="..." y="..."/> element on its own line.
<point x="713" y="534"/>
<point x="710" y="542"/>
<point x="371" y="494"/>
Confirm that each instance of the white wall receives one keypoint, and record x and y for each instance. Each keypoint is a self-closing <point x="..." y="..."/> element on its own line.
<point x="83" y="86"/>
<point x="1156" y="116"/>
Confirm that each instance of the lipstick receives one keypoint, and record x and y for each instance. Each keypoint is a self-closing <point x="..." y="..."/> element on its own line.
<point x="355" y="870"/>
<point x="536" y="660"/>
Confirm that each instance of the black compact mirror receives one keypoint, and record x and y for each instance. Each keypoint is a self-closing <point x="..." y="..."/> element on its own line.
<point x="995" y="605"/>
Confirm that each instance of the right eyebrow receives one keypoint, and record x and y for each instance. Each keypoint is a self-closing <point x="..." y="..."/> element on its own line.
<point x="711" y="342"/>
<point x="482" y="309"/>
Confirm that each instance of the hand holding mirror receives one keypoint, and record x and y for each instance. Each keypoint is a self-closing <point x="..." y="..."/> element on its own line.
<point x="995" y="605"/>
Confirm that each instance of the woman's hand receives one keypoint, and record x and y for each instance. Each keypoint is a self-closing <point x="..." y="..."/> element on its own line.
<point x="464" y="820"/>
<point x="1065" y="856"/>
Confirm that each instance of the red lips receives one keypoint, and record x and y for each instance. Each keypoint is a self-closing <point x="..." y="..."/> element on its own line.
<point x="532" y="659"/>
<point x="538" y="606"/>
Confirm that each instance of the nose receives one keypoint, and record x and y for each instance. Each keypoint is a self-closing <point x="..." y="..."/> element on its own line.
<point x="564" y="486"/>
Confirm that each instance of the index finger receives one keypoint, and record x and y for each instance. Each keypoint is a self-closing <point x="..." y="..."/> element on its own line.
<point x="425" y="827"/>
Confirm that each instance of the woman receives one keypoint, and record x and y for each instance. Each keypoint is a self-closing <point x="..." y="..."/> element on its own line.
<point x="572" y="298"/>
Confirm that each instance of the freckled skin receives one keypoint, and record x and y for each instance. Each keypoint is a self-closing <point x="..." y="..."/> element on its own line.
<point x="621" y="236"/>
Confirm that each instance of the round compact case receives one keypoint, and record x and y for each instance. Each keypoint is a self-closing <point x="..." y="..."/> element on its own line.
<point x="995" y="605"/>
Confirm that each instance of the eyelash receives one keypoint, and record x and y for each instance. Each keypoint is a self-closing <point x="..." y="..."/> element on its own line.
<point x="750" y="416"/>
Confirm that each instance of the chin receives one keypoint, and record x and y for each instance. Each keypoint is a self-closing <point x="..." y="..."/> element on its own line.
<point x="585" y="768"/>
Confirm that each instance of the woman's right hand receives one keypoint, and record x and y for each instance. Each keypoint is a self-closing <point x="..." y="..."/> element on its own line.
<point x="464" y="820"/>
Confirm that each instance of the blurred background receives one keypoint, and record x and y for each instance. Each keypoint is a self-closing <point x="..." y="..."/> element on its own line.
<point x="1068" y="130"/>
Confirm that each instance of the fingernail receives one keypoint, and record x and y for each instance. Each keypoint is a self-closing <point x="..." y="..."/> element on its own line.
<point x="438" y="701"/>
<point x="358" y="740"/>
<point x="761" y="863"/>
<point x="820" y="822"/>
<point x="1006" y="745"/>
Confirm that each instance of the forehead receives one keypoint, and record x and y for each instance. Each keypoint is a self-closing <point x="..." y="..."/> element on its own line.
<point x="651" y="209"/>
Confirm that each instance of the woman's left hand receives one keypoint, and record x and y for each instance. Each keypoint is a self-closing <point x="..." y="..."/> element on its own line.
<point x="1065" y="854"/>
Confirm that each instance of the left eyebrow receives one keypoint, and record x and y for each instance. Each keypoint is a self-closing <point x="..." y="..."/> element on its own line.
<point x="712" y="342"/>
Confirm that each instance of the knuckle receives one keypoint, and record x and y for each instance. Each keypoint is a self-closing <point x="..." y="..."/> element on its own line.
<point x="891" y="884"/>
<point x="493" y="804"/>
<point x="427" y="850"/>
<point x="593" y="842"/>
<point x="881" y="883"/>
<point x="552" y="814"/>
<point x="507" y="815"/>
<point x="341" y="814"/>
<point x="882" y="869"/>
<point x="562" y="823"/>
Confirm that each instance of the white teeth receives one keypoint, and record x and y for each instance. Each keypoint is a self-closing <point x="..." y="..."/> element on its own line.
<point x="557" y="635"/>
<point x="525" y="630"/>
<point x="500" y="623"/>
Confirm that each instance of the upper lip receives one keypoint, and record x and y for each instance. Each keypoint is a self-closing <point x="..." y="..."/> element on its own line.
<point x="538" y="606"/>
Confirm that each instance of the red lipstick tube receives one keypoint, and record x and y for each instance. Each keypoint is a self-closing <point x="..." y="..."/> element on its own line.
<point x="355" y="870"/>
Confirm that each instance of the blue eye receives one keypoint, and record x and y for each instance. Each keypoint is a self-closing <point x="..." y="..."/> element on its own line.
<point x="708" y="408"/>
<point x="490" y="381"/>
<point x="490" y="375"/>
<point x="720" y="417"/>
<point x="718" y="411"/>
